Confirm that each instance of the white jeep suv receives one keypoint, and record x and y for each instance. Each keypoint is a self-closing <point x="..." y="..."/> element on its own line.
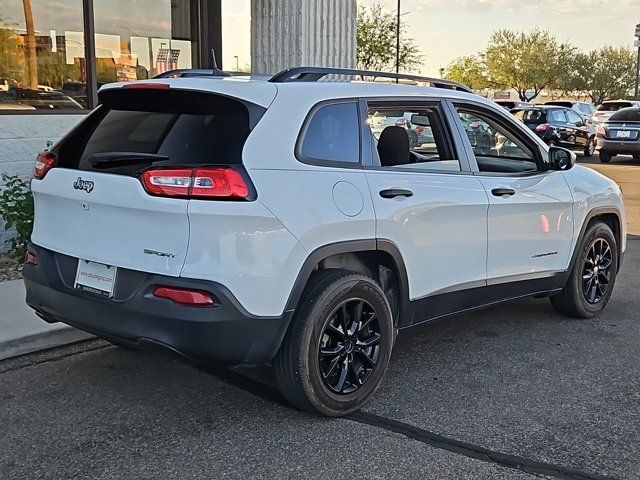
<point x="249" y="222"/>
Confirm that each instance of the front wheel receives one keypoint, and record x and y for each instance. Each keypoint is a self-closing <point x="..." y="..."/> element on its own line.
<point x="590" y="149"/>
<point x="593" y="275"/>
<point x="337" y="350"/>
<point x="605" y="157"/>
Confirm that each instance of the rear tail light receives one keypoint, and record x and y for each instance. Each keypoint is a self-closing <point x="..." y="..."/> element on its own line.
<point x="601" y="132"/>
<point x="184" y="296"/>
<point x="44" y="162"/>
<point x="212" y="183"/>
<point x="543" y="127"/>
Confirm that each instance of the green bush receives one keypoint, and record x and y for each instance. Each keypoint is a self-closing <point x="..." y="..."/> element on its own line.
<point x="16" y="209"/>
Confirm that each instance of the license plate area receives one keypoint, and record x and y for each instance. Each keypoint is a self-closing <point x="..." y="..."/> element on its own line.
<point x="624" y="134"/>
<point x="95" y="278"/>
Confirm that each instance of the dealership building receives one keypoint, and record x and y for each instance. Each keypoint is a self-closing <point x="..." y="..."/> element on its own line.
<point x="54" y="56"/>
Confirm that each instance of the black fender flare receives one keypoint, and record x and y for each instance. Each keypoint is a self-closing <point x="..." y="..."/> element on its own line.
<point x="351" y="246"/>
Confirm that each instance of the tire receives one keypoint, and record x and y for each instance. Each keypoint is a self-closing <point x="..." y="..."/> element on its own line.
<point x="576" y="298"/>
<point x="605" y="157"/>
<point x="337" y="384"/>
<point x="590" y="149"/>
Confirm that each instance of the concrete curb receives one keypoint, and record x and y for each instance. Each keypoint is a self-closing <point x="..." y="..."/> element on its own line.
<point x="41" y="341"/>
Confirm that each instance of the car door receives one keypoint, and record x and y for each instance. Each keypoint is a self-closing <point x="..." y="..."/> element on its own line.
<point x="530" y="223"/>
<point x="429" y="205"/>
<point x="558" y="120"/>
<point x="579" y="130"/>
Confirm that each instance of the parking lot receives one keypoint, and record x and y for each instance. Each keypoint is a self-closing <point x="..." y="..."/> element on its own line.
<point x="515" y="391"/>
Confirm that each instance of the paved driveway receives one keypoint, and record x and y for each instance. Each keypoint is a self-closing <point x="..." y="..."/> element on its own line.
<point x="512" y="392"/>
<point x="626" y="171"/>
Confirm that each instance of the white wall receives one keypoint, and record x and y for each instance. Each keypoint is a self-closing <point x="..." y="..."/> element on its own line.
<point x="21" y="138"/>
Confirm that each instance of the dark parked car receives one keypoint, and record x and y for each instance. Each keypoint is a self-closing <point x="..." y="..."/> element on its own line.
<point x="584" y="109"/>
<point x="559" y="126"/>
<point x="45" y="100"/>
<point x="620" y="135"/>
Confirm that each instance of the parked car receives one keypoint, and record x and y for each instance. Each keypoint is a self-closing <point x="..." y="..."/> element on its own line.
<point x="511" y="104"/>
<point x="620" y="135"/>
<point x="7" y="102"/>
<point x="261" y="222"/>
<point x="45" y="100"/>
<point x="608" y="108"/>
<point x="418" y="134"/>
<point x="584" y="109"/>
<point x="559" y="126"/>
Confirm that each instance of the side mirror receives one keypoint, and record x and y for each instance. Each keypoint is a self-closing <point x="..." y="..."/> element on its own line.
<point x="420" y="120"/>
<point x="561" y="159"/>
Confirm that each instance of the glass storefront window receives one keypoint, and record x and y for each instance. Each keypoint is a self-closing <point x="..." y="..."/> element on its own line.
<point x="42" y="55"/>
<point x="141" y="39"/>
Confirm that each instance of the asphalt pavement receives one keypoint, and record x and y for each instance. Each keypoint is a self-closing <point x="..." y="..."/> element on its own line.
<point x="515" y="392"/>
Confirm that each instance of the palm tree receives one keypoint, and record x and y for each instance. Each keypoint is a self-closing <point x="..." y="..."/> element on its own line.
<point x="32" y="59"/>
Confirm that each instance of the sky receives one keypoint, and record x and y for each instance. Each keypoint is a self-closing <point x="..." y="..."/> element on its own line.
<point x="447" y="29"/>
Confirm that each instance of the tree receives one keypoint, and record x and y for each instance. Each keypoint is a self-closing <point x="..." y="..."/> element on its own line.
<point x="470" y="71"/>
<point x="527" y="61"/>
<point x="376" y="35"/>
<point x="608" y="72"/>
<point x="32" y="59"/>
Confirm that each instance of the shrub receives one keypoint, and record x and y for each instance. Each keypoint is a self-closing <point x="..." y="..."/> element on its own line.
<point x="16" y="209"/>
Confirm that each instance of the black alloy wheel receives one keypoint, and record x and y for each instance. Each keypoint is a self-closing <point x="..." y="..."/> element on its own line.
<point x="338" y="345"/>
<point x="349" y="346"/>
<point x="596" y="273"/>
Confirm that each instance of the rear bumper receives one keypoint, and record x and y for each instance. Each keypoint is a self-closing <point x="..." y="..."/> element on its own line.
<point x="617" y="147"/>
<point x="224" y="334"/>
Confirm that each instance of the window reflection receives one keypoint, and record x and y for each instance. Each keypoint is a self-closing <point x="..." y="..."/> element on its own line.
<point x="139" y="40"/>
<point x="41" y="61"/>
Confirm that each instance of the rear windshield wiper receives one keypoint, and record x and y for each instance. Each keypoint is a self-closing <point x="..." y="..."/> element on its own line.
<point x="119" y="159"/>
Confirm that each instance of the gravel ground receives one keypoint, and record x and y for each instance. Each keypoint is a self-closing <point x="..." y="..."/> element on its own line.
<point x="10" y="268"/>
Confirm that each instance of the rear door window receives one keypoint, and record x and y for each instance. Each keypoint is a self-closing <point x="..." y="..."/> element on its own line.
<point x="556" y="116"/>
<point x="332" y="135"/>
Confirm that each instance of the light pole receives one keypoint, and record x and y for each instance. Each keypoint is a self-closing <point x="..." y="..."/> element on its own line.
<point x="237" y="63"/>
<point x="398" y="40"/>
<point x="637" y="44"/>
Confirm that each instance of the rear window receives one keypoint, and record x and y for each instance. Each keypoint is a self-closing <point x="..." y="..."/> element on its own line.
<point x="626" y="115"/>
<point x="133" y="130"/>
<point x="530" y="116"/>
<point x="614" y="106"/>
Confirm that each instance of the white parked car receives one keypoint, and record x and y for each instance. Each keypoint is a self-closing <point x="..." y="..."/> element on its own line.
<point x="253" y="222"/>
<point x="608" y="108"/>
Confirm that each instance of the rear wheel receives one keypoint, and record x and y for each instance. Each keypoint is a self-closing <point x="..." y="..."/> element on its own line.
<point x="593" y="276"/>
<point x="338" y="347"/>
<point x="590" y="149"/>
<point x="605" y="157"/>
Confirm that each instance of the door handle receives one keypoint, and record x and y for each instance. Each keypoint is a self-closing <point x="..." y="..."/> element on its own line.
<point x="503" y="192"/>
<point x="395" y="192"/>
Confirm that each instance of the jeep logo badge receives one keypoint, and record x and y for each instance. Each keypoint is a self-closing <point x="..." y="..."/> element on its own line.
<point x="81" y="184"/>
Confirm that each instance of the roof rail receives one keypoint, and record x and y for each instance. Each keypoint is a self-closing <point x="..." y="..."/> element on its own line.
<point x="313" y="74"/>
<point x="193" y="72"/>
